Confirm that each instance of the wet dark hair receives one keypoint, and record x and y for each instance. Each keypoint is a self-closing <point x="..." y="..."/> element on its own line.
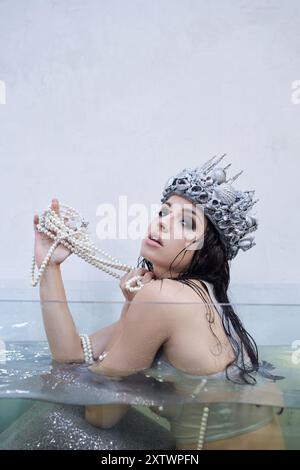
<point x="211" y="264"/>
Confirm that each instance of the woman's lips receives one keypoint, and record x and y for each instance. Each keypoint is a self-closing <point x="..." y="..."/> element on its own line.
<point x="151" y="242"/>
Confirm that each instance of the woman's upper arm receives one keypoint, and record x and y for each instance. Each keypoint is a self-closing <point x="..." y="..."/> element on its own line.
<point x="100" y="338"/>
<point x="144" y="327"/>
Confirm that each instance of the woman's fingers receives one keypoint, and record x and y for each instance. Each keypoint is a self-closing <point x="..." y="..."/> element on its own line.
<point x="145" y="273"/>
<point x="148" y="277"/>
<point x="35" y="222"/>
<point x="55" y="205"/>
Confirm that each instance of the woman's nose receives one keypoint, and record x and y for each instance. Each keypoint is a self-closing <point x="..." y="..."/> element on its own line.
<point x="162" y="227"/>
<point x="164" y="224"/>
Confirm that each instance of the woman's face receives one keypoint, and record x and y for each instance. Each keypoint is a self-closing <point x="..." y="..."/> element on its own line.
<point x="177" y="228"/>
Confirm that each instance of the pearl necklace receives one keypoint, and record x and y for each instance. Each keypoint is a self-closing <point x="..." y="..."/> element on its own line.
<point x="204" y="416"/>
<point x="203" y="427"/>
<point x="74" y="236"/>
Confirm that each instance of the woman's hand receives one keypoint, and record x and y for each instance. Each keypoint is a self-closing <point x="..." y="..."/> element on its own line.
<point x="43" y="243"/>
<point x="148" y="276"/>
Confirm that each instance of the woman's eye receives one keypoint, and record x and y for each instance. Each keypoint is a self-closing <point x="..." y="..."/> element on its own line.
<point x="189" y="224"/>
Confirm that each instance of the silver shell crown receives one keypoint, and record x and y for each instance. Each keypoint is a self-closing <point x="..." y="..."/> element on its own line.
<point x="227" y="208"/>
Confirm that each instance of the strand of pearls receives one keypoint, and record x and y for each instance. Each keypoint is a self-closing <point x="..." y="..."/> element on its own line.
<point x="87" y="348"/>
<point x="203" y="426"/>
<point x="76" y="239"/>
<point x="204" y="416"/>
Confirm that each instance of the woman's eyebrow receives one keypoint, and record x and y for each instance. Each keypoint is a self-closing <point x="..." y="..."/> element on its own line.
<point x="187" y="208"/>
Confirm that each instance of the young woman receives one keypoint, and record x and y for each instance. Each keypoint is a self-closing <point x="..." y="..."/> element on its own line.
<point x="176" y="316"/>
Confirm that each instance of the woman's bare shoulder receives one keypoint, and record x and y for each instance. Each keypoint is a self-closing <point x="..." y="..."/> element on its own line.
<point x="157" y="291"/>
<point x="178" y="288"/>
<point x="173" y="293"/>
<point x="169" y="289"/>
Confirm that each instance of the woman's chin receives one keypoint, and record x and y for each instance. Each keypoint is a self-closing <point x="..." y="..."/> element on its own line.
<point x="145" y="252"/>
<point x="146" y="256"/>
<point x="152" y="254"/>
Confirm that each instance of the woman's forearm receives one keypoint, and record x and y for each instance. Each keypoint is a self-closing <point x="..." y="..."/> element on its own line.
<point x="62" y="335"/>
<point x="63" y="338"/>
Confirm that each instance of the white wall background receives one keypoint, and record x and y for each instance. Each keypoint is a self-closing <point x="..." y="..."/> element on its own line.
<point x="111" y="97"/>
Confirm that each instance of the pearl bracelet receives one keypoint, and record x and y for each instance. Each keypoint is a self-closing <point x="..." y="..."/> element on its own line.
<point x="87" y="348"/>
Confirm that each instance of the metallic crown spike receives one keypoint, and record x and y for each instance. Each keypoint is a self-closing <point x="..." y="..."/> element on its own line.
<point x="210" y="167"/>
<point x="226" y="207"/>
<point x="228" y="166"/>
<point x="235" y="177"/>
<point x="205" y="165"/>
